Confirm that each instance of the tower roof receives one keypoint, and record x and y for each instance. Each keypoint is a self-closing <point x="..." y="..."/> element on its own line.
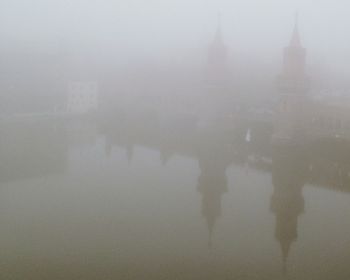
<point x="285" y="247"/>
<point x="218" y="40"/>
<point x="295" y="40"/>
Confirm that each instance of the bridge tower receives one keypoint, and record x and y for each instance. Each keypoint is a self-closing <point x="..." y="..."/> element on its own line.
<point x="293" y="85"/>
<point x="217" y="92"/>
<point x="217" y="64"/>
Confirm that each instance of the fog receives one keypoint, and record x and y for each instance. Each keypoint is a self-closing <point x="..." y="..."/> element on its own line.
<point x="255" y="32"/>
<point x="137" y="26"/>
<point x="178" y="139"/>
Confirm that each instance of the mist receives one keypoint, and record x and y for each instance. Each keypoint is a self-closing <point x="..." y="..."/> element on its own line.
<point x="178" y="139"/>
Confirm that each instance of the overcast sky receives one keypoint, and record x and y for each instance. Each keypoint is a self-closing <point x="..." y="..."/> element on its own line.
<point x="256" y="26"/>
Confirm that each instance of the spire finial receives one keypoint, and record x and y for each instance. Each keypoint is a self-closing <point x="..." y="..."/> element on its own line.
<point x="295" y="41"/>
<point x="218" y="35"/>
<point x="285" y="247"/>
<point x="296" y="18"/>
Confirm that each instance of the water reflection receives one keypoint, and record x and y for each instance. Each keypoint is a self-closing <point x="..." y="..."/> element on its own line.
<point x="287" y="202"/>
<point x="32" y="149"/>
<point x="212" y="182"/>
<point x="51" y="153"/>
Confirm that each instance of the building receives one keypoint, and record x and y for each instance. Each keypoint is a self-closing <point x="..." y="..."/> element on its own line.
<point x="217" y="100"/>
<point x="293" y="84"/>
<point x="330" y="118"/>
<point x="82" y="97"/>
<point x="217" y="63"/>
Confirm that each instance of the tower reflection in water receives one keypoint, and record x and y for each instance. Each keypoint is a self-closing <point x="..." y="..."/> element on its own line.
<point x="212" y="184"/>
<point x="291" y="169"/>
<point x="287" y="202"/>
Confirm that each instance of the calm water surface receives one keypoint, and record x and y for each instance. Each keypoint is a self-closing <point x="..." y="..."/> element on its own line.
<point x="80" y="202"/>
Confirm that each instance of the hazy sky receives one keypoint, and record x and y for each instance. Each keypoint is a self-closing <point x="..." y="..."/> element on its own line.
<point x="153" y="25"/>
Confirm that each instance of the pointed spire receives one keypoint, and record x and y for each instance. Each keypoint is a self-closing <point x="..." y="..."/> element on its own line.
<point x="218" y="34"/>
<point x="285" y="247"/>
<point x="295" y="41"/>
<point x="210" y="224"/>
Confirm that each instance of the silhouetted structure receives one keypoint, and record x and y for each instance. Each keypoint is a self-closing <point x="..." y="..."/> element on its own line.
<point x="212" y="184"/>
<point x="287" y="202"/>
<point x="291" y="121"/>
<point x="218" y="71"/>
<point x="216" y="102"/>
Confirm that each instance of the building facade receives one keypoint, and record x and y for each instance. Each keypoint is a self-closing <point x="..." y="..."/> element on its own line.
<point x="293" y="84"/>
<point x="82" y="97"/>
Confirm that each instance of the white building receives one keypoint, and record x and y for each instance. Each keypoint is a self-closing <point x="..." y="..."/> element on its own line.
<point x="82" y="97"/>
